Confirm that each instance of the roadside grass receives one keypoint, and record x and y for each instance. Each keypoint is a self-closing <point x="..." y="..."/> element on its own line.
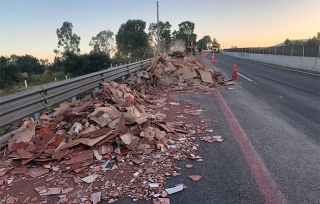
<point x="33" y="81"/>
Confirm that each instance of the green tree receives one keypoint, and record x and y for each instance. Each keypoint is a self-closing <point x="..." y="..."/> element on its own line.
<point x="299" y="43"/>
<point x="131" y="38"/>
<point x="103" y="42"/>
<point x="29" y="65"/>
<point x="77" y="65"/>
<point x="313" y="41"/>
<point x="99" y="61"/>
<point x="214" y="41"/>
<point x="67" y="40"/>
<point x="186" y="31"/>
<point x="174" y="35"/>
<point x="74" y="64"/>
<point x="288" y="42"/>
<point x="119" y="58"/>
<point x="164" y="35"/>
<point x="9" y="73"/>
<point x="44" y="62"/>
<point x="56" y="66"/>
<point x="14" y="58"/>
<point x="207" y="39"/>
<point x="201" y="44"/>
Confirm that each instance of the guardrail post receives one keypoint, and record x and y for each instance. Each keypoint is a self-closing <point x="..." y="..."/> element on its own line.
<point x="291" y="50"/>
<point x="317" y="57"/>
<point x="55" y="79"/>
<point x="25" y="83"/>
<point x="93" y="92"/>
<point x="302" y="51"/>
<point x="128" y="69"/>
<point x="111" y="64"/>
<point x="36" y="116"/>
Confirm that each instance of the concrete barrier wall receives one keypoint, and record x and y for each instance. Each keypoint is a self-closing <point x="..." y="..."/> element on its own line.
<point x="305" y="63"/>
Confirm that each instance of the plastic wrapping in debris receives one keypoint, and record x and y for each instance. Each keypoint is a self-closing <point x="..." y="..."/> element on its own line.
<point x="78" y="128"/>
<point x="124" y="128"/>
<point x="174" y="189"/>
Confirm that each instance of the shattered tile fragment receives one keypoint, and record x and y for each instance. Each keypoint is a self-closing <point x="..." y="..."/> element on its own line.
<point x="195" y="177"/>
<point x="127" y="136"/>
<point x="90" y="179"/>
<point x="189" y="166"/>
<point x="95" y="197"/>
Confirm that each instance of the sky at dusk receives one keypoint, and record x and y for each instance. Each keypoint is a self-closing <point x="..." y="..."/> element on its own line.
<point x="29" y="27"/>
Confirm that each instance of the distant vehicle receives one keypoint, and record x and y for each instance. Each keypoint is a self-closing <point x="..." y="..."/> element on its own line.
<point x="190" y="47"/>
<point x="233" y="47"/>
<point x="215" y="48"/>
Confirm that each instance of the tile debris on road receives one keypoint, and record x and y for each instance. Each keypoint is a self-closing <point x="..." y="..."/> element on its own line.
<point x="124" y="140"/>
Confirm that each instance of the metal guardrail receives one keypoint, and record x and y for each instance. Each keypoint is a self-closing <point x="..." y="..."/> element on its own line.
<point x="300" y="51"/>
<point x="23" y="104"/>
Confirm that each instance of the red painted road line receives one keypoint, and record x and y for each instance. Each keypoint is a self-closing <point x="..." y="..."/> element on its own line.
<point x="261" y="174"/>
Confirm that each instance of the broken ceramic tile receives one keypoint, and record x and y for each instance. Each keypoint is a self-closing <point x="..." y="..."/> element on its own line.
<point x="95" y="197"/>
<point x="217" y="138"/>
<point x="90" y="179"/>
<point x="36" y="172"/>
<point x="189" y="166"/>
<point x="51" y="191"/>
<point x="195" y="177"/>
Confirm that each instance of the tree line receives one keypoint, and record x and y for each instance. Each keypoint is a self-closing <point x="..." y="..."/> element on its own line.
<point x="315" y="40"/>
<point x="130" y="43"/>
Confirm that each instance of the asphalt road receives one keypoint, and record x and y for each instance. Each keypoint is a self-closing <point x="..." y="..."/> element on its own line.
<point x="279" y="110"/>
<point x="279" y="113"/>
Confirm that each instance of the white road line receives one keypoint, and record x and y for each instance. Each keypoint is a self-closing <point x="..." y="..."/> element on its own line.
<point x="245" y="77"/>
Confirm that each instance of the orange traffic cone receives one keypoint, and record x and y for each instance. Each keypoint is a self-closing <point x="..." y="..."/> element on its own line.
<point x="235" y="72"/>
<point x="212" y="59"/>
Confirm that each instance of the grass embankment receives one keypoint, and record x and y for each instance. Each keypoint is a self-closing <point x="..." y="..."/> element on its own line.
<point x="33" y="81"/>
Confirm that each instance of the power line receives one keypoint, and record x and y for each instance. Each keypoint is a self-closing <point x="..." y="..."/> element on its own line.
<point x="167" y="16"/>
<point x="165" y="13"/>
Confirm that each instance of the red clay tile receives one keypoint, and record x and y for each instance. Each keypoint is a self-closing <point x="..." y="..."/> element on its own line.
<point x="195" y="177"/>
<point x="36" y="172"/>
<point x="24" y="154"/>
<point x="19" y="170"/>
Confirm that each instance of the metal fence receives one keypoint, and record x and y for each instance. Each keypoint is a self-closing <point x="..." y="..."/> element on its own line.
<point x="301" y="51"/>
<point x="20" y="105"/>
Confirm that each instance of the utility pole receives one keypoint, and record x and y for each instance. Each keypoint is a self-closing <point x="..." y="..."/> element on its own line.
<point x="158" y="27"/>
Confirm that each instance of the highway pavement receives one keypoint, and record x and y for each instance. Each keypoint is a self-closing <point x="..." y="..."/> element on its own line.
<point x="279" y="110"/>
<point x="272" y="137"/>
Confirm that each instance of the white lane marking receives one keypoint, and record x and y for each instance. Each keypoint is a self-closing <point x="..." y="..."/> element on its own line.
<point x="245" y="77"/>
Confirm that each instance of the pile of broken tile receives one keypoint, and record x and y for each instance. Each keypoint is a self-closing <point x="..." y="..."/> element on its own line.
<point x="109" y="144"/>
